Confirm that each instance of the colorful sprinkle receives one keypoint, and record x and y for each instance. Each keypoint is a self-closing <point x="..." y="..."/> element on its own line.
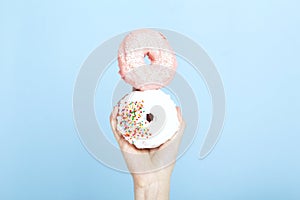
<point x="134" y="127"/>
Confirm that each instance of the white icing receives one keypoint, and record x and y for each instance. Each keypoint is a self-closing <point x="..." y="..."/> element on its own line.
<point x="148" y="134"/>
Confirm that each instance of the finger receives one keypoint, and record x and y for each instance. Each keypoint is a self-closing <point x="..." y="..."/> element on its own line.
<point x="181" y="125"/>
<point x="113" y="123"/>
<point x="124" y="145"/>
<point x="181" y="121"/>
<point x="166" y="154"/>
<point x="113" y="118"/>
<point x="179" y="115"/>
<point x="175" y="140"/>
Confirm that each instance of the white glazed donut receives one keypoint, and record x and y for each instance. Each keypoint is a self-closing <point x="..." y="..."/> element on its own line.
<point x="147" y="119"/>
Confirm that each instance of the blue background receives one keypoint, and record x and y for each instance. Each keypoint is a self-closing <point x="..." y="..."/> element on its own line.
<point x="254" y="44"/>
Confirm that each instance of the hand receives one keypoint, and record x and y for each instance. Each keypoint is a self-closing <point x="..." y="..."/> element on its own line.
<point x="151" y="169"/>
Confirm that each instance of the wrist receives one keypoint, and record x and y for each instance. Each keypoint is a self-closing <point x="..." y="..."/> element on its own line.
<point x="151" y="186"/>
<point x="143" y="182"/>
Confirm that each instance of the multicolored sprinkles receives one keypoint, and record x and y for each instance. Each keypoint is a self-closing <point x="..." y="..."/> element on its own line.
<point x="133" y="120"/>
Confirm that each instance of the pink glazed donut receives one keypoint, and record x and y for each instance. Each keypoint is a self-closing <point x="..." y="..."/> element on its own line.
<point x="135" y="48"/>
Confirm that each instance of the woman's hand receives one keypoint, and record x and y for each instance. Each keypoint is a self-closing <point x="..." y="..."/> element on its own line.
<point x="151" y="169"/>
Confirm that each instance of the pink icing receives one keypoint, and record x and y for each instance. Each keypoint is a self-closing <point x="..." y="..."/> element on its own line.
<point x="132" y="52"/>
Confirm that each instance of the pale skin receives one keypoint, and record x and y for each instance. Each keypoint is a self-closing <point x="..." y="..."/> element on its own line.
<point x="151" y="169"/>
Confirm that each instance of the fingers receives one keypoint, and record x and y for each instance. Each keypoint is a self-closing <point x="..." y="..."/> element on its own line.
<point x="179" y="116"/>
<point x="176" y="139"/>
<point x="113" y="124"/>
<point x="124" y="145"/>
<point x="180" y="119"/>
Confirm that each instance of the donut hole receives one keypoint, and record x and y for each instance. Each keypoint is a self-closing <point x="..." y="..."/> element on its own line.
<point x="149" y="117"/>
<point x="147" y="59"/>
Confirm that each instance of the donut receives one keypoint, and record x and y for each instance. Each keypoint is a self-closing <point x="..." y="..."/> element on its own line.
<point x="140" y="45"/>
<point x="147" y="119"/>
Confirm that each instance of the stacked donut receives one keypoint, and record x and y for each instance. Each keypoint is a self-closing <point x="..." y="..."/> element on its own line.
<point x="147" y="117"/>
